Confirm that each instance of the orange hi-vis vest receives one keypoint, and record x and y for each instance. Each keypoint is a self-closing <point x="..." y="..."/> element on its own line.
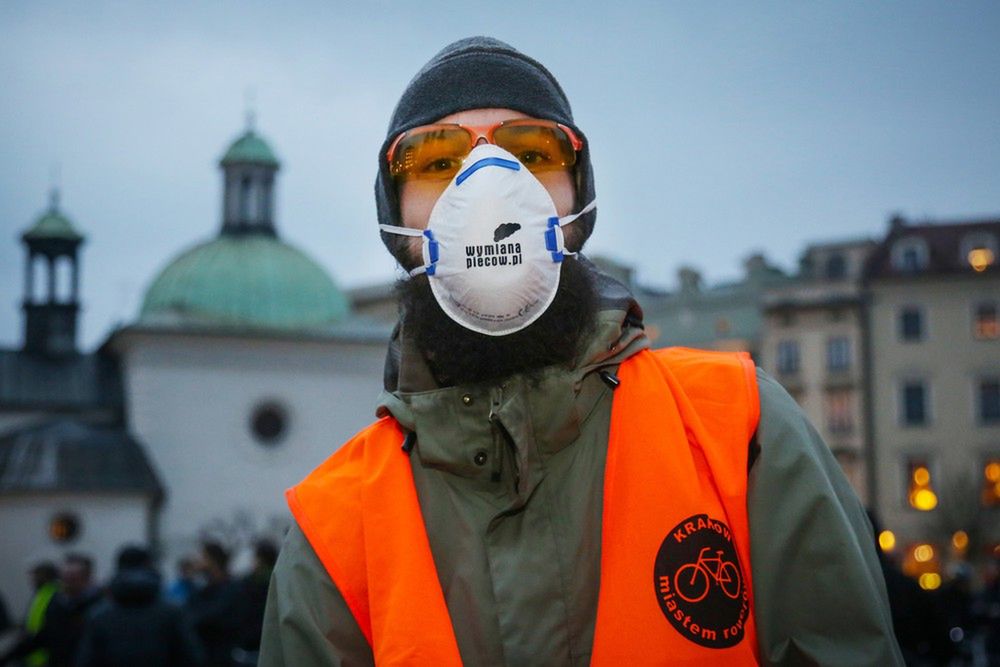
<point x="675" y="549"/>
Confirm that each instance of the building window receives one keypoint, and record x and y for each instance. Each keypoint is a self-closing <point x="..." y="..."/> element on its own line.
<point x="788" y="357"/>
<point x="836" y="267"/>
<point x="269" y="422"/>
<point x="989" y="401"/>
<point x="911" y="324"/>
<point x="64" y="528"/>
<point x="985" y="325"/>
<point x="839" y="412"/>
<point x="991" y="482"/>
<point x="838" y="354"/>
<point x="914" y="403"/>
<point x="909" y="254"/>
<point x="920" y="492"/>
<point x="979" y="251"/>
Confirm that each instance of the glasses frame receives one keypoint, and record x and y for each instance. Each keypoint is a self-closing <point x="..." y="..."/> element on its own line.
<point x="477" y="132"/>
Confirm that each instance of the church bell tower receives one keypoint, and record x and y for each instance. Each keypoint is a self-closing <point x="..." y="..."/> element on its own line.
<point x="248" y="168"/>
<point x="51" y="283"/>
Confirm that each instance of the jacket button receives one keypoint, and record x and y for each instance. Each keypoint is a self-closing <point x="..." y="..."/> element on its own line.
<point x="480" y="458"/>
<point x="467" y="399"/>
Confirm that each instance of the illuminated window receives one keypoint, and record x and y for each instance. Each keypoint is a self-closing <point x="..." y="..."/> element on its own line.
<point x="911" y="324"/>
<point x="979" y="250"/>
<point x="788" y="357"/>
<point x="838" y="353"/>
<point x="913" y="396"/>
<point x="991" y="482"/>
<point x="920" y="492"/>
<point x="839" y="412"/>
<point x="985" y="325"/>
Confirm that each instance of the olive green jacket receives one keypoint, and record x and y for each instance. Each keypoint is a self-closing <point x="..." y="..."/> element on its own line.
<point x="514" y="524"/>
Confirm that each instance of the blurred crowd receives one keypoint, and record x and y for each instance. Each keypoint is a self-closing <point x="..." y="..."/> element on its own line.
<point x="204" y="617"/>
<point x="955" y="625"/>
<point x="207" y="617"/>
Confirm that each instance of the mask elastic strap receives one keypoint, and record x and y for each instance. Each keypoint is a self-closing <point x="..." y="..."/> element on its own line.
<point x="554" y="235"/>
<point x="430" y="250"/>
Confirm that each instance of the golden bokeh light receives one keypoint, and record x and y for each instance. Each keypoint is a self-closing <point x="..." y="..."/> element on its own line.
<point x="921" y="476"/>
<point x="887" y="540"/>
<point x="923" y="553"/>
<point x="960" y="540"/>
<point x="930" y="581"/>
<point x="924" y="500"/>
<point x="992" y="471"/>
<point x="980" y="259"/>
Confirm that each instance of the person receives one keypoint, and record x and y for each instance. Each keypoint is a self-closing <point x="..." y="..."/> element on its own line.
<point x="73" y="595"/>
<point x="181" y="588"/>
<point x="540" y="487"/>
<point x="68" y="612"/>
<point x="32" y="646"/>
<point x="135" y="626"/>
<point x="253" y="598"/>
<point x="214" y="607"/>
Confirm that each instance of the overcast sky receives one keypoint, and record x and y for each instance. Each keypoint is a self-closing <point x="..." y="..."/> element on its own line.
<point x="717" y="129"/>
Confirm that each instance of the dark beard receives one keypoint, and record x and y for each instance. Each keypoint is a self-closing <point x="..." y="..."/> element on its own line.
<point x="457" y="355"/>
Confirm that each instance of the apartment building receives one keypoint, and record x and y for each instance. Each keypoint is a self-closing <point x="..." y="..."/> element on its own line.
<point x="934" y="337"/>
<point x="811" y="342"/>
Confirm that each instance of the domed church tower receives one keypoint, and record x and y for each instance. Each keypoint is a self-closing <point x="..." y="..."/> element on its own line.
<point x="246" y="277"/>
<point x="50" y="318"/>
<point x="248" y="170"/>
<point x="246" y="367"/>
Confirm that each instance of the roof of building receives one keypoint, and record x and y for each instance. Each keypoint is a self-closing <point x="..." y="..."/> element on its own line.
<point x="353" y="330"/>
<point x="250" y="148"/>
<point x="71" y="455"/>
<point x="52" y="224"/>
<point x="944" y="244"/>
<point x="697" y="316"/>
<point x="253" y="281"/>
<point x="71" y="382"/>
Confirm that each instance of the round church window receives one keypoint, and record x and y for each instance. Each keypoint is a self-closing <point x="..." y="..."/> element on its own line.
<point x="64" y="527"/>
<point x="269" y="423"/>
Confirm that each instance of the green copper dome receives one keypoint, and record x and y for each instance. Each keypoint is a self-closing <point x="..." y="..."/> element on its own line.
<point x="53" y="225"/>
<point x="252" y="281"/>
<point x="250" y="148"/>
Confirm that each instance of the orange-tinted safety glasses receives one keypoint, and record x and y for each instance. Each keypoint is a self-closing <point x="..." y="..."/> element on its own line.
<point x="435" y="152"/>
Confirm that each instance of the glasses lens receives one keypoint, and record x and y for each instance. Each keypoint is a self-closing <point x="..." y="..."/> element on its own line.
<point x="430" y="154"/>
<point x="538" y="147"/>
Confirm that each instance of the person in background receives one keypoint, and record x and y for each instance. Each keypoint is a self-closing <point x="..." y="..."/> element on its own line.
<point x="214" y="607"/>
<point x="68" y="612"/>
<point x="181" y="588"/>
<point x="32" y="647"/>
<point x="253" y="598"/>
<point x="135" y="627"/>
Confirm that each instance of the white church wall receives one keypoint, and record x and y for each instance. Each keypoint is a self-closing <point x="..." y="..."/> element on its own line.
<point x="190" y="401"/>
<point x="105" y="524"/>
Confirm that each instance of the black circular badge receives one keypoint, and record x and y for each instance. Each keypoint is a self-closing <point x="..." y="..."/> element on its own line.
<point x="699" y="582"/>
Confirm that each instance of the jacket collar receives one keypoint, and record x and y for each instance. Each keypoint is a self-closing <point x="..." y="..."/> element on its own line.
<point x="542" y="413"/>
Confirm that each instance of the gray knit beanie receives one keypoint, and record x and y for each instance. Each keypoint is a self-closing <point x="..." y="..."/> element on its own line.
<point x="477" y="73"/>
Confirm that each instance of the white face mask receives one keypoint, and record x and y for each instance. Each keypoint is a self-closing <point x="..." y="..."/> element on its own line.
<point x="493" y="245"/>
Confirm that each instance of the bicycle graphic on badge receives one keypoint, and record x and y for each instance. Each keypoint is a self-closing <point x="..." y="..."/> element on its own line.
<point x="693" y="580"/>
